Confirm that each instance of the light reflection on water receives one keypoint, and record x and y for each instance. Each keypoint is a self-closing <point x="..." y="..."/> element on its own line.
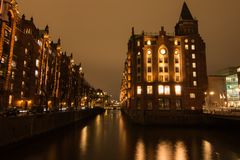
<point x="111" y="137"/>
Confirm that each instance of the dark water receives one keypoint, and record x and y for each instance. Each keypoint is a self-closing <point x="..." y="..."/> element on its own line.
<point x="110" y="137"/>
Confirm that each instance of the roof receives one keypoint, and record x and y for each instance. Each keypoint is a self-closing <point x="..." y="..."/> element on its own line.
<point x="185" y="14"/>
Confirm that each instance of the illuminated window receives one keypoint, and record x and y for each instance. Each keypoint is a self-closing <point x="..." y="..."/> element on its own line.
<point x="160" y="89"/>
<point x="186" y="46"/>
<point x="22" y="93"/>
<point x="149" y="78"/>
<point x="13" y="75"/>
<point x="11" y="86"/>
<point x="194" y="65"/>
<point x="10" y="99"/>
<point x="178" y="90"/>
<point x="36" y="73"/>
<point x="139" y="90"/>
<point x="139" y="53"/>
<point x="23" y="83"/>
<point x="167" y="90"/>
<point x="195" y="83"/>
<point x="194" y="74"/>
<point x="148" y="42"/>
<point x="16" y="38"/>
<point x="193" y="47"/>
<point x="26" y="50"/>
<point x="25" y="63"/>
<point x="37" y="63"/>
<point x="176" y="42"/>
<point x="149" y="52"/>
<point x="186" y="40"/>
<point x="193" y="56"/>
<point x="149" y="90"/>
<point x="192" y="95"/>
<point x="24" y="73"/>
<point x="138" y="43"/>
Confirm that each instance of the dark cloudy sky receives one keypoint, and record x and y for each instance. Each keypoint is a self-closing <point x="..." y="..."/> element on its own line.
<point x="97" y="31"/>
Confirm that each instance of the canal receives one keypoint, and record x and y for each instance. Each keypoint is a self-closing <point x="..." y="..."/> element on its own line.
<point x="110" y="137"/>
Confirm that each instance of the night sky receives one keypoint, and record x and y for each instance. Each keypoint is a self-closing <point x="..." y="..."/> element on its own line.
<point x="97" y="31"/>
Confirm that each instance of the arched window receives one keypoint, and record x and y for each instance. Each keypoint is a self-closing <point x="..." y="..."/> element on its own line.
<point x="163" y="64"/>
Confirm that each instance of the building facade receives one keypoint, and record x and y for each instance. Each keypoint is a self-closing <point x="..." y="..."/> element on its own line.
<point x="166" y="72"/>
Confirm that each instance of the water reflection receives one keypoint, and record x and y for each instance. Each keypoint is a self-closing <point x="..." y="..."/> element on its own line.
<point x="83" y="140"/>
<point x="111" y="137"/>
<point x="140" y="150"/>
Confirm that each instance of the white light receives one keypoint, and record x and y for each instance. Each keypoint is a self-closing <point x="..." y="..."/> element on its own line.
<point x="163" y="51"/>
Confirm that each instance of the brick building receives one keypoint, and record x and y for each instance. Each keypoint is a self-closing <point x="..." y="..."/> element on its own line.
<point x="166" y="72"/>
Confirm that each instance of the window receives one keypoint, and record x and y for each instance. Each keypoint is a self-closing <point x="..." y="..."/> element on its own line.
<point x="160" y="69"/>
<point x="192" y="95"/>
<point x="25" y="63"/>
<point x="23" y="83"/>
<point x="167" y="90"/>
<point x="138" y="61"/>
<point x="149" y="69"/>
<point x="176" y="69"/>
<point x="26" y="50"/>
<point x="176" y="60"/>
<point x="167" y="103"/>
<point x="149" y="78"/>
<point x="139" y="53"/>
<point x="24" y="73"/>
<point x="166" y="78"/>
<point x="166" y="59"/>
<point x="166" y="69"/>
<point x="36" y="73"/>
<point x="176" y="42"/>
<point x="178" y="104"/>
<point x="149" y="52"/>
<point x="139" y="90"/>
<point x="13" y="75"/>
<point x="22" y="93"/>
<point x="177" y="78"/>
<point x="186" y="40"/>
<point x="178" y="90"/>
<point x="195" y="83"/>
<point x="138" y="43"/>
<point x="193" y="56"/>
<point x="160" y="78"/>
<point x="193" y="41"/>
<point x="138" y="70"/>
<point x="194" y="65"/>
<point x="194" y="74"/>
<point x="10" y="99"/>
<point x="193" y="47"/>
<point x="149" y="105"/>
<point x="149" y="42"/>
<point x="139" y="78"/>
<point x="160" y="89"/>
<point x="149" y="60"/>
<point x="160" y="60"/>
<point x="186" y="46"/>
<point x="161" y="103"/>
<point x="149" y="89"/>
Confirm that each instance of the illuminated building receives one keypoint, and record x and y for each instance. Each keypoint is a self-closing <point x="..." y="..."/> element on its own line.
<point x="166" y="72"/>
<point x="225" y="85"/>
<point x="8" y="20"/>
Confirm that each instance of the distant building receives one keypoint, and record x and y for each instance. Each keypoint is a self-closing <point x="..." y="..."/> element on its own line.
<point x="166" y="72"/>
<point x="224" y="88"/>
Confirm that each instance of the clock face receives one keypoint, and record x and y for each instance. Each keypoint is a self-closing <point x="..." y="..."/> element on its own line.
<point x="163" y="51"/>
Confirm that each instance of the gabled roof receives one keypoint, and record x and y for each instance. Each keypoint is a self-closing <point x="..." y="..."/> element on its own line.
<point x="185" y="14"/>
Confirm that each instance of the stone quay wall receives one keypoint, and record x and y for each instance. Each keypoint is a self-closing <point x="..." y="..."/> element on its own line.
<point x="15" y="129"/>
